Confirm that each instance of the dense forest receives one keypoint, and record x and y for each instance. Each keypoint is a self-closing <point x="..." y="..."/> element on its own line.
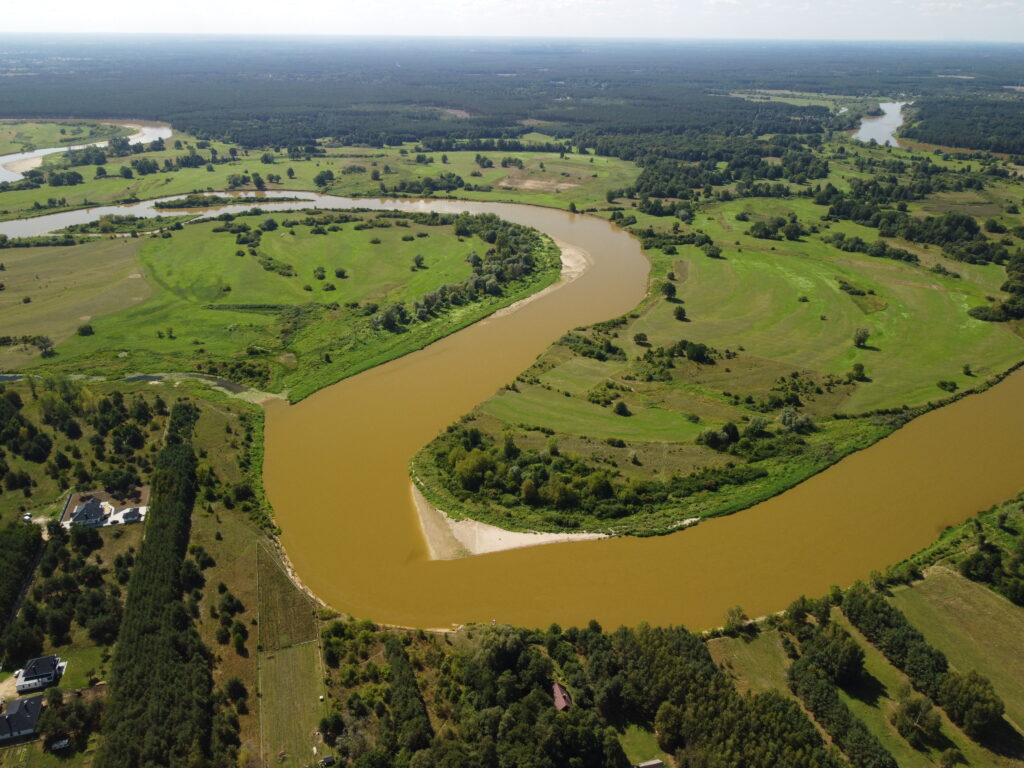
<point x="995" y="124"/>
<point x="387" y="91"/>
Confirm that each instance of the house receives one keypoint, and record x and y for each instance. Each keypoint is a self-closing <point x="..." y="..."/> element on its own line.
<point x="651" y="764"/>
<point x="20" y="718"/>
<point x="92" y="512"/>
<point x="39" y="673"/>
<point x="131" y="515"/>
<point x="563" y="700"/>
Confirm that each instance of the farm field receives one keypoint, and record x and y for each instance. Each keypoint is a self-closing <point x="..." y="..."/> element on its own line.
<point x="290" y="684"/>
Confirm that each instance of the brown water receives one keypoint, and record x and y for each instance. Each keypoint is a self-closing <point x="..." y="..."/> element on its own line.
<point x="336" y="474"/>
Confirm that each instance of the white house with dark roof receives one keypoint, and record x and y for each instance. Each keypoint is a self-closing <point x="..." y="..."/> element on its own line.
<point x="92" y="512"/>
<point x="39" y="673"/>
<point x="19" y="721"/>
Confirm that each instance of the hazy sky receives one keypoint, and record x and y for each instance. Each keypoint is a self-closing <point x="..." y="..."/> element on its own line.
<point x="997" y="20"/>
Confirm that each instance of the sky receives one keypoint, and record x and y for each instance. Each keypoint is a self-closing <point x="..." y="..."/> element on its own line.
<point x="948" y="20"/>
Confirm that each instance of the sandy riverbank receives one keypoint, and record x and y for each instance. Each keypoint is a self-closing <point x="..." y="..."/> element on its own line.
<point x="575" y="261"/>
<point x="449" y="539"/>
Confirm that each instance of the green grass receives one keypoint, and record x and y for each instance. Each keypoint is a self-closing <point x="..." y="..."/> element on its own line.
<point x="68" y="286"/>
<point x="27" y="136"/>
<point x="640" y="745"/>
<point x="976" y="629"/>
<point x="582" y="180"/>
<point x="195" y="278"/>
<point x="755" y="665"/>
<point x="287" y="616"/>
<point x="291" y="682"/>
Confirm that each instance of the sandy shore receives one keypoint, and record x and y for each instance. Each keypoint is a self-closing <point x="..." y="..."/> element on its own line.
<point x="575" y="261"/>
<point x="449" y="539"/>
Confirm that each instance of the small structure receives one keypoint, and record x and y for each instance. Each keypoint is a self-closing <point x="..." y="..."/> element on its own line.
<point x="651" y="764"/>
<point x="39" y="673"/>
<point x="93" y="512"/>
<point x="20" y="719"/>
<point x="131" y="515"/>
<point x="327" y="761"/>
<point x="563" y="700"/>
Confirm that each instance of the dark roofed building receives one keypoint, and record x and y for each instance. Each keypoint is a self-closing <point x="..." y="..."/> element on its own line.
<point x="39" y="673"/>
<point x="89" y="513"/>
<point x="563" y="700"/>
<point x="20" y="718"/>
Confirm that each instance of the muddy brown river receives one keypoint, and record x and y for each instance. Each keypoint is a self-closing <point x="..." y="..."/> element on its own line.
<point x="336" y="473"/>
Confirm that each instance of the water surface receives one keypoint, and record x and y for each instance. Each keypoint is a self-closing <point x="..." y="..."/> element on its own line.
<point x="883" y="128"/>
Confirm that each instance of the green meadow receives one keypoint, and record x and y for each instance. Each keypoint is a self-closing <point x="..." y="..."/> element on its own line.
<point x="295" y="315"/>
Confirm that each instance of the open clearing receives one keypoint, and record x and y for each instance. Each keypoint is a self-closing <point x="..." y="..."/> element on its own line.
<point x="755" y="665"/>
<point x="287" y="615"/>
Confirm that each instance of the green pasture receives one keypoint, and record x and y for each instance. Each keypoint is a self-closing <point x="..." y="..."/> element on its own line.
<point x="290" y="686"/>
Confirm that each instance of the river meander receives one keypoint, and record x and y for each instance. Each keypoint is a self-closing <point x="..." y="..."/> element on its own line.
<point x="336" y="473"/>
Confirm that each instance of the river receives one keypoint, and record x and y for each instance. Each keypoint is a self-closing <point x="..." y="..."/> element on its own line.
<point x="12" y="166"/>
<point x="883" y="128"/>
<point x="336" y="474"/>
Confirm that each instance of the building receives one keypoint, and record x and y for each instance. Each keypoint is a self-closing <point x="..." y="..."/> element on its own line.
<point x="131" y="515"/>
<point x="651" y="764"/>
<point x="93" y="512"/>
<point x="19" y="721"/>
<point x="563" y="700"/>
<point x="39" y="673"/>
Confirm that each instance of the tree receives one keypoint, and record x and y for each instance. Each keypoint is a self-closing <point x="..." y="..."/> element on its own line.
<point x="621" y="409"/>
<point x="735" y="620"/>
<point x="324" y="178"/>
<point x="679" y="313"/>
<point x="860" y="337"/>
<point x="668" y="290"/>
<point x="915" y="718"/>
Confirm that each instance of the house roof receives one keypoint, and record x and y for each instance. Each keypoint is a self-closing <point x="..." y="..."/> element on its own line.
<point x="44" y="666"/>
<point x="89" y="510"/>
<point x="652" y="764"/>
<point x="21" y="717"/>
<point x="562" y="698"/>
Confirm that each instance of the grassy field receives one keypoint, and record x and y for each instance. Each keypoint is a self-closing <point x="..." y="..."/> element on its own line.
<point x="290" y="684"/>
<point x="755" y="664"/>
<point x="976" y="629"/>
<point x="641" y="745"/>
<point x="287" y="615"/>
<point x="581" y="180"/>
<point x="154" y="311"/>
<point x="26" y="136"/>
<point x="67" y="287"/>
